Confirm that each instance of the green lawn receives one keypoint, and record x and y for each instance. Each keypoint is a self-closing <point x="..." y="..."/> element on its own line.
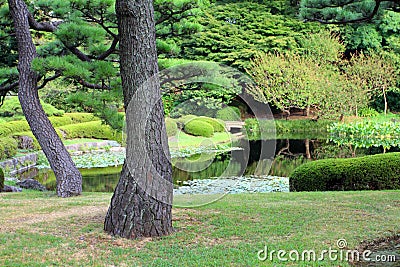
<point x="39" y="229"/>
<point x="183" y="140"/>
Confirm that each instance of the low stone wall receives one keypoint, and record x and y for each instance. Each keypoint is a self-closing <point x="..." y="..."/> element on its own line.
<point x="19" y="164"/>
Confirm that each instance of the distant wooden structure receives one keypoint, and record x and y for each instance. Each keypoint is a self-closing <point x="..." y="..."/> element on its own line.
<point x="234" y="126"/>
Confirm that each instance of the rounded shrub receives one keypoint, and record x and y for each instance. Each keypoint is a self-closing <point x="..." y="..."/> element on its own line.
<point x="229" y="114"/>
<point x="219" y="126"/>
<point x="1" y="179"/>
<point x="183" y="120"/>
<point x="93" y="129"/>
<point x="172" y="127"/>
<point x="199" y="128"/>
<point x="8" y="147"/>
<point x="376" y="172"/>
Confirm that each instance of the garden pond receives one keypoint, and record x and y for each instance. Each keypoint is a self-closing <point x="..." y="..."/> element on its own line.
<point x="259" y="158"/>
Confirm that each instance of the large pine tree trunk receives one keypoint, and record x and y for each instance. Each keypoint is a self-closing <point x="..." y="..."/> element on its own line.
<point x="142" y="201"/>
<point x="69" y="179"/>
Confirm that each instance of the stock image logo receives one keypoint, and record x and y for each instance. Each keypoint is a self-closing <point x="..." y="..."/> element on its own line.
<point x="340" y="252"/>
<point x="206" y="118"/>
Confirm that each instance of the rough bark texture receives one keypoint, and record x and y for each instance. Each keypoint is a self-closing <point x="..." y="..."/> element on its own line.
<point x="141" y="204"/>
<point x="69" y="180"/>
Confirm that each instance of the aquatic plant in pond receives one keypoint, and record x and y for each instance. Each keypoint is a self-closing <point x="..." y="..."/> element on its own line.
<point x="366" y="134"/>
<point x="92" y="160"/>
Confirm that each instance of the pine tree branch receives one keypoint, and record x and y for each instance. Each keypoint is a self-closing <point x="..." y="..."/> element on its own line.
<point x="358" y="20"/>
<point x="49" y="79"/>
<point x="100" y="22"/>
<point x="42" y="26"/>
<point x="171" y="13"/>
<point x="8" y="87"/>
<point x="110" y="50"/>
<point x="93" y="85"/>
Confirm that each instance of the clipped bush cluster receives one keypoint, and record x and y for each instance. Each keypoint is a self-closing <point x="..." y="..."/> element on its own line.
<point x="8" y="147"/>
<point x="93" y="129"/>
<point x="376" y="172"/>
<point x="229" y="114"/>
<point x="172" y="127"/>
<point x="72" y="118"/>
<point x="199" y="128"/>
<point x="11" y="127"/>
<point x="12" y="108"/>
<point x="218" y="125"/>
<point x="1" y="179"/>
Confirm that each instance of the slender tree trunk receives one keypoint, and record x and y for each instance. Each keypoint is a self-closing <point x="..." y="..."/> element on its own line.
<point x="307" y="144"/>
<point x="69" y="180"/>
<point x="385" y="99"/>
<point x="140" y="207"/>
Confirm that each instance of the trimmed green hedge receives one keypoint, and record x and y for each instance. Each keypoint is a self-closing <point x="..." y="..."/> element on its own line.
<point x="1" y="179"/>
<point x="376" y="172"/>
<point x="12" y="108"/>
<point x="72" y="118"/>
<point x="8" y="147"/>
<point x="81" y="117"/>
<point x="93" y="129"/>
<point x="199" y="128"/>
<point x="172" y="127"/>
<point x="11" y="127"/>
<point x="219" y="126"/>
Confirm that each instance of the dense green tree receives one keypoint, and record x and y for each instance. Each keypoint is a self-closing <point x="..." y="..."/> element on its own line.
<point x="374" y="24"/>
<point x="344" y="11"/>
<point x="235" y="31"/>
<point x="310" y="78"/>
<point x="375" y="73"/>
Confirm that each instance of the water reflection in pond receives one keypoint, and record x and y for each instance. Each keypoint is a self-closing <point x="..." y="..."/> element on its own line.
<point x="284" y="158"/>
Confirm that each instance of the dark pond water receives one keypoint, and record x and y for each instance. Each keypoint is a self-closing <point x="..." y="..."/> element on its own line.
<point x="262" y="157"/>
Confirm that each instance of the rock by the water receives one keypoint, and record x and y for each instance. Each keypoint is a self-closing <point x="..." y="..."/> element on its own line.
<point x="31" y="184"/>
<point x="9" y="188"/>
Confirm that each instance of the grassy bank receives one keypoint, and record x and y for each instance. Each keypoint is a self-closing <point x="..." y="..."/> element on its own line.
<point x="183" y="140"/>
<point x="39" y="229"/>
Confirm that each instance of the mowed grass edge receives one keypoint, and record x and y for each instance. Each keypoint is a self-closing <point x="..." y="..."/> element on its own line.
<point x="39" y="229"/>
